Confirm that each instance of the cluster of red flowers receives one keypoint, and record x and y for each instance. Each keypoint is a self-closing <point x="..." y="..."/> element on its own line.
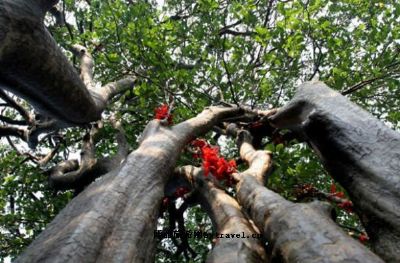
<point x="213" y="163"/>
<point x="363" y="238"/>
<point x="346" y="205"/>
<point x="335" y="193"/>
<point x="162" y="113"/>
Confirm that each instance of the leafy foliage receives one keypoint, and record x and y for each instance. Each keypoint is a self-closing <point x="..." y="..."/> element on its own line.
<point x="204" y="52"/>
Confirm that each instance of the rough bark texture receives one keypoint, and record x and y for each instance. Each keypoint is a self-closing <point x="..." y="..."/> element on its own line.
<point x="113" y="219"/>
<point x="70" y="174"/>
<point x="295" y="232"/>
<point x="359" y="151"/>
<point x="298" y="232"/>
<point x="227" y="219"/>
<point x="33" y="66"/>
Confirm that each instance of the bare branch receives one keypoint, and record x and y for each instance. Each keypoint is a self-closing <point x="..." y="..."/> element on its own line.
<point x="113" y="88"/>
<point x="87" y="65"/>
<point x="259" y="161"/>
<point x="18" y="107"/>
<point x="12" y="131"/>
<point x="227" y="218"/>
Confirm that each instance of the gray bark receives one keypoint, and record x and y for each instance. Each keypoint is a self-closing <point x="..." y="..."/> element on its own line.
<point x="359" y="151"/>
<point x="113" y="219"/>
<point x="295" y="232"/>
<point x="33" y="67"/>
<point x="227" y="219"/>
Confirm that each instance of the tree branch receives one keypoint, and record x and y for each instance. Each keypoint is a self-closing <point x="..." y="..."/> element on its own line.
<point x="18" y="107"/>
<point x="227" y="218"/>
<point x="12" y="131"/>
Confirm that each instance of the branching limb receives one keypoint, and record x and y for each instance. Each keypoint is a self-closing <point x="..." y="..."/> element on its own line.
<point x="77" y="176"/>
<point x="205" y="121"/>
<point x="105" y="93"/>
<point x="259" y="161"/>
<point x="13" y="131"/>
<point x="87" y="65"/>
<point x="227" y="218"/>
<point x="310" y="224"/>
<point x="29" y="118"/>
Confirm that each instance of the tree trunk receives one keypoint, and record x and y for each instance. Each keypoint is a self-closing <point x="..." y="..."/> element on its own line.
<point x="299" y="232"/>
<point x="295" y="232"/>
<point x="240" y="241"/>
<point x="114" y="218"/>
<point x="33" y="66"/>
<point x="359" y="151"/>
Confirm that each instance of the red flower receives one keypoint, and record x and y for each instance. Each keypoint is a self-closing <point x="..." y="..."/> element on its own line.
<point x="333" y="188"/>
<point x="339" y="194"/>
<point x="212" y="162"/>
<point x="162" y="113"/>
<point x="363" y="238"/>
<point x="335" y="193"/>
<point x="346" y="205"/>
<point x="198" y="143"/>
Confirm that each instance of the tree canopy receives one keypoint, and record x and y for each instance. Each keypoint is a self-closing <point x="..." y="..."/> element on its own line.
<point x="188" y="55"/>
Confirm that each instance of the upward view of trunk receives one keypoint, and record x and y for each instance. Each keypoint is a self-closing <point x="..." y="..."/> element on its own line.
<point x="114" y="218"/>
<point x="294" y="232"/>
<point x="33" y="66"/>
<point x="228" y="219"/>
<point x="359" y="151"/>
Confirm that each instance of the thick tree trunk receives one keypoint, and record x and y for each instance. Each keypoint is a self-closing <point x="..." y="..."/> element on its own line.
<point x="299" y="232"/>
<point x="359" y="151"/>
<point x="239" y="241"/>
<point x="33" y="66"/>
<point x="295" y="232"/>
<point x="113" y="219"/>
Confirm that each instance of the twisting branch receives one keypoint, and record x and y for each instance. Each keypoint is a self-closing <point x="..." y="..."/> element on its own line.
<point x="13" y="131"/>
<point x="105" y="93"/>
<point x="259" y="161"/>
<point x="18" y="107"/>
<point x="54" y="89"/>
<point x="71" y="174"/>
<point x="40" y="160"/>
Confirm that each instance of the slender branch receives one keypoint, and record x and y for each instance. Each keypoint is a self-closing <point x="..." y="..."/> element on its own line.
<point x="18" y="107"/>
<point x="259" y="161"/>
<point x="87" y="65"/>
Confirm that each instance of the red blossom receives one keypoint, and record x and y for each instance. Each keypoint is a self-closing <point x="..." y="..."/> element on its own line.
<point x="346" y="205"/>
<point x="162" y="113"/>
<point x="333" y="188"/>
<point x="363" y="238"/>
<point x="181" y="191"/>
<point x="212" y="162"/>
<point x="335" y="193"/>
<point x="198" y="143"/>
